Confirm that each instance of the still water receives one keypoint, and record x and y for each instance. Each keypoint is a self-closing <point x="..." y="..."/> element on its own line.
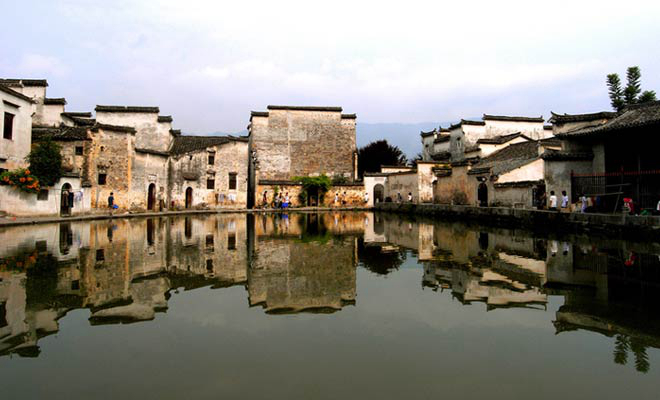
<point x="330" y="305"/>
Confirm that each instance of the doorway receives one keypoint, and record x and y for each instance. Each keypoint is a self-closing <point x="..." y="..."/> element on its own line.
<point x="189" y="197"/>
<point x="151" y="197"/>
<point x="66" y="200"/>
<point x="379" y="193"/>
<point x="482" y="194"/>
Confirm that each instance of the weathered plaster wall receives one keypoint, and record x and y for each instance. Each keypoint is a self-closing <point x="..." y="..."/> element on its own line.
<point x="192" y="170"/>
<point x="557" y="175"/>
<point x="425" y="179"/>
<point x="349" y="195"/>
<point x="48" y="115"/>
<point x="292" y="143"/>
<point x="370" y="183"/>
<point x="533" y="171"/>
<point x="402" y="183"/>
<point x="533" y="130"/>
<point x="150" y="133"/>
<point x="458" y="186"/>
<point x="111" y="153"/>
<point x="13" y="152"/>
<point x="511" y="196"/>
<point x="17" y="203"/>
<point x="148" y="169"/>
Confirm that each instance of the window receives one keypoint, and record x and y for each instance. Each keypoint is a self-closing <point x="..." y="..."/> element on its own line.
<point x="79" y="150"/>
<point x="100" y="255"/>
<point x="232" y="181"/>
<point x="75" y="285"/>
<point x="209" y="265"/>
<point x="211" y="158"/>
<point x="102" y="178"/>
<point x="209" y="240"/>
<point x="42" y="195"/>
<point x="8" y="131"/>
<point x="231" y="241"/>
<point x="210" y="183"/>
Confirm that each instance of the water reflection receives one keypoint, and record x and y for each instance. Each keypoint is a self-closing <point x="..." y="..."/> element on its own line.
<point x="126" y="271"/>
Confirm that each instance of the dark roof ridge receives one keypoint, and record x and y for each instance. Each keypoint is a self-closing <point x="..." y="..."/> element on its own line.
<point x="78" y="114"/>
<point x="305" y="108"/>
<point x="25" y="82"/>
<point x="512" y="118"/>
<point x="564" y="118"/>
<point x="55" y="101"/>
<point x="10" y="91"/>
<point x="640" y="105"/>
<point x="135" y="109"/>
<point x="349" y="116"/>
<point x="165" y="118"/>
<point x="472" y="122"/>
<point x="114" y="128"/>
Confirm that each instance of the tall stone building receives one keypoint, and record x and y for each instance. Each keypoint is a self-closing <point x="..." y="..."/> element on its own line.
<point x="291" y="141"/>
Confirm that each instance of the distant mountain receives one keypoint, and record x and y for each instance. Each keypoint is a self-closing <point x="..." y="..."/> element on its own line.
<point x="404" y="136"/>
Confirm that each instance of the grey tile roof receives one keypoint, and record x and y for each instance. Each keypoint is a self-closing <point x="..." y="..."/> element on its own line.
<point x="80" y="114"/>
<point x="501" y="139"/>
<point x="512" y="119"/>
<point x="348" y="116"/>
<point x="564" y="118"/>
<point x="24" y="82"/>
<point x="561" y="155"/>
<point x="508" y="158"/>
<point x="304" y="108"/>
<point x="187" y="144"/>
<point x="636" y="116"/>
<point x="126" y="109"/>
<point x="442" y="138"/>
<point x="466" y="122"/>
<point x="55" y="101"/>
<point x="62" y="133"/>
<point x="165" y="118"/>
<point x="14" y="93"/>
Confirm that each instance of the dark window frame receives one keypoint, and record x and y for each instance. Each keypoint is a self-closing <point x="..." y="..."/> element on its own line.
<point x="233" y="183"/>
<point x="210" y="183"/>
<point x="211" y="159"/>
<point x="8" y="126"/>
<point x="42" y="195"/>
<point x="79" y="150"/>
<point x="102" y="178"/>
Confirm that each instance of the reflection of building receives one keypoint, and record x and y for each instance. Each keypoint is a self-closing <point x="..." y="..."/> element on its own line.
<point x="125" y="271"/>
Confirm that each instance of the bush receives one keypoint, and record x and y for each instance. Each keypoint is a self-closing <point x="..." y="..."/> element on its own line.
<point x="339" y="180"/>
<point x="21" y="179"/>
<point x="46" y="162"/>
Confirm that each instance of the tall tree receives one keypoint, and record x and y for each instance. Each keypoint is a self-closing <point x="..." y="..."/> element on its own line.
<point x="633" y="85"/>
<point x="632" y="93"/>
<point x="375" y="154"/>
<point x="616" y="93"/>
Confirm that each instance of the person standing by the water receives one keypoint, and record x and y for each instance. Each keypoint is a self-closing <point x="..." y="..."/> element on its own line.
<point x="264" y="200"/>
<point x="564" y="201"/>
<point x="366" y="197"/>
<point x="583" y="203"/>
<point x="410" y="197"/>
<point x="553" y="201"/>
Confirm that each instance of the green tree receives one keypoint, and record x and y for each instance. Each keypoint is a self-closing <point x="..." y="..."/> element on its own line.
<point x="375" y="154"/>
<point x="45" y="162"/>
<point x="615" y="91"/>
<point x="647" y="96"/>
<point x="632" y="93"/>
<point x="633" y="85"/>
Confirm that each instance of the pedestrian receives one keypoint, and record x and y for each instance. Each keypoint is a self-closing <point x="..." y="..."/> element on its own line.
<point x="366" y="198"/>
<point x="564" y="201"/>
<point x="264" y="201"/>
<point x="553" y="201"/>
<point x="410" y="197"/>
<point x="344" y="199"/>
<point x="542" y="201"/>
<point x="285" y="203"/>
<point x="583" y="203"/>
<point x="399" y="199"/>
<point x="336" y="199"/>
<point x="111" y="200"/>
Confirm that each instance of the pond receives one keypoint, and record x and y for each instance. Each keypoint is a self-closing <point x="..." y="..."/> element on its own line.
<point x="323" y="305"/>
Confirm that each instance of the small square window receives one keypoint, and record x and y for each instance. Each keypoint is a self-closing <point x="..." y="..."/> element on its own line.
<point x="75" y="285"/>
<point x="79" y="150"/>
<point x="102" y="179"/>
<point x="209" y="265"/>
<point x="42" y="195"/>
<point x="100" y="255"/>
<point x="211" y="158"/>
<point x="8" y="130"/>
<point x="210" y="183"/>
<point x="232" y="180"/>
<point x="209" y="240"/>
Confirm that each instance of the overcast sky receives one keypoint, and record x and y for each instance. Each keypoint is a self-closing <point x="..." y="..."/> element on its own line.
<point x="208" y="63"/>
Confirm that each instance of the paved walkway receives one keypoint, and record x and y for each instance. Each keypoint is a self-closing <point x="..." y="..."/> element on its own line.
<point x="14" y="221"/>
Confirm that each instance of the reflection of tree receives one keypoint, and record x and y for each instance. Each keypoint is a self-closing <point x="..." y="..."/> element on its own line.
<point x="621" y="349"/>
<point x="376" y="260"/>
<point x="623" y="345"/>
<point x="641" y="358"/>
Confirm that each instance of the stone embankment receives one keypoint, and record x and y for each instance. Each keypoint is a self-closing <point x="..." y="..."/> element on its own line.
<point x="13" y="221"/>
<point x="625" y="226"/>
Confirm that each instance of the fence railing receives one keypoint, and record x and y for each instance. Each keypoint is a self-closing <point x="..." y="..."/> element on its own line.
<point x="609" y="189"/>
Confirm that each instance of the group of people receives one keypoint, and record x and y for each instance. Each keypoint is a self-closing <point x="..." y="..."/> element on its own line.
<point x="555" y="205"/>
<point x="279" y="200"/>
<point x="399" y="198"/>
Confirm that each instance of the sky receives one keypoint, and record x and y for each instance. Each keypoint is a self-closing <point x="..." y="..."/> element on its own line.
<point x="209" y="63"/>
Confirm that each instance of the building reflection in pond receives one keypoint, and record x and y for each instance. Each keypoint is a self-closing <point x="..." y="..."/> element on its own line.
<point x="125" y="271"/>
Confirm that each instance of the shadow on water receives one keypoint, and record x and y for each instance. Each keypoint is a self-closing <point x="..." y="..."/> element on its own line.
<point x="126" y="271"/>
